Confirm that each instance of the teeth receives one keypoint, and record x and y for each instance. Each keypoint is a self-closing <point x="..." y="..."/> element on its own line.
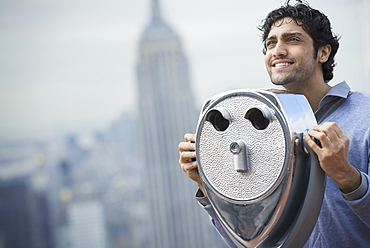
<point x="282" y="64"/>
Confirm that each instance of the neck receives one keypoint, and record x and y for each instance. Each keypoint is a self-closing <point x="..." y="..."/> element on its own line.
<point x="313" y="92"/>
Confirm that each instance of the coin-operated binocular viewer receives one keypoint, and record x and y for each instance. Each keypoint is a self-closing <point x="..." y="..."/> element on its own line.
<point x="263" y="181"/>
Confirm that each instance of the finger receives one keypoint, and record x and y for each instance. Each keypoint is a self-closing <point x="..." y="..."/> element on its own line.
<point x="186" y="146"/>
<point x="320" y="136"/>
<point x="334" y="126"/>
<point x="334" y="134"/>
<point x="187" y="157"/>
<point x="189" y="137"/>
<point x="188" y="167"/>
<point x="330" y="129"/>
<point x="311" y="143"/>
<point x="323" y="128"/>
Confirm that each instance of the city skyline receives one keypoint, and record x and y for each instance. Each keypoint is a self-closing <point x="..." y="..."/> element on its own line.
<point x="68" y="92"/>
<point x="69" y="66"/>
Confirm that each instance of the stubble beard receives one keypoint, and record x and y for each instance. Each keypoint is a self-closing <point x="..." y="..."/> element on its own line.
<point x="297" y="77"/>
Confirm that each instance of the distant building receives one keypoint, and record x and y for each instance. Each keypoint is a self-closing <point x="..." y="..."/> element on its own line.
<point x="166" y="112"/>
<point x="24" y="210"/>
<point x="86" y="219"/>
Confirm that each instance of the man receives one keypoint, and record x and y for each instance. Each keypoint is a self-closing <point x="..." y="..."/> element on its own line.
<point x="299" y="55"/>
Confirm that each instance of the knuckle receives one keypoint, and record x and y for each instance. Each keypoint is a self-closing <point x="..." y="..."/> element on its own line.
<point x="182" y="157"/>
<point x="187" y="136"/>
<point x="180" y="146"/>
<point x="346" y="141"/>
<point x="183" y="146"/>
<point x="321" y="135"/>
<point x="329" y="124"/>
<point x="342" y="147"/>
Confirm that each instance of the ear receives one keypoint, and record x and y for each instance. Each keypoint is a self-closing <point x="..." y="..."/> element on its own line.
<point x="323" y="53"/>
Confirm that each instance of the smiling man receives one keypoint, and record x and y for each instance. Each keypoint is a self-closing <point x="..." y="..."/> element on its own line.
<point x="299" y="49"/>
<point x="291" y="59"/>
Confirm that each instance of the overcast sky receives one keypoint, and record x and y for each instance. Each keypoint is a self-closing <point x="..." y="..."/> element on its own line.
<point x="68" y="65"/>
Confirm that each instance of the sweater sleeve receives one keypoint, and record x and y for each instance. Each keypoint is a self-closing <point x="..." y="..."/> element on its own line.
<point x="204" y="202"/>
<point x="360" y="191"/>
<point x="361" y="206"/>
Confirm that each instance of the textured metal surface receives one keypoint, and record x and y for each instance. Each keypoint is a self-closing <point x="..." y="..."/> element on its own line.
<point x="265" y="152"/>
<point x="265" y="188"/>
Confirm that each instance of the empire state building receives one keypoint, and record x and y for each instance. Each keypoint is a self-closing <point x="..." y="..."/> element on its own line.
<point x="166" y="113"/>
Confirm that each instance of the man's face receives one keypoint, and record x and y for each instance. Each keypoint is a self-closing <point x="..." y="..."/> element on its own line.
<point x="290" y="55"/>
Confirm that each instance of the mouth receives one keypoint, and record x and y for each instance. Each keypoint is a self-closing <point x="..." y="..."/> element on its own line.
<point x="279" y="65"/>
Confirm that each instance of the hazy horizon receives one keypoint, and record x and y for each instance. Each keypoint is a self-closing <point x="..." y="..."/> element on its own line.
<point x="68" y="66"/>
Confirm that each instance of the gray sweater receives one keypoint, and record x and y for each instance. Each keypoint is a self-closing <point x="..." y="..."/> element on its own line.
<point x="344" y="220"/>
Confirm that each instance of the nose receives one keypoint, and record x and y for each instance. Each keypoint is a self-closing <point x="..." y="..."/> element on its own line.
<point x="280" y="50"/>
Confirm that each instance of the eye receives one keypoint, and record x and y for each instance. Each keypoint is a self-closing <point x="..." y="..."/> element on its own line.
<point x="270" y="44"/>
<point x="293" y="39"/>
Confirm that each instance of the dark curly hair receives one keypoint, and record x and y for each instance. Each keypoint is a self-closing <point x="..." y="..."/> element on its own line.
<point x="315" y="23"/>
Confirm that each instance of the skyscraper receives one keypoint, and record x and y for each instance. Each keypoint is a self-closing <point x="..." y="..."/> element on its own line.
<point x="166" y="112"/>
<point x="24" y="209"/>
<point x="87" y="221"/>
